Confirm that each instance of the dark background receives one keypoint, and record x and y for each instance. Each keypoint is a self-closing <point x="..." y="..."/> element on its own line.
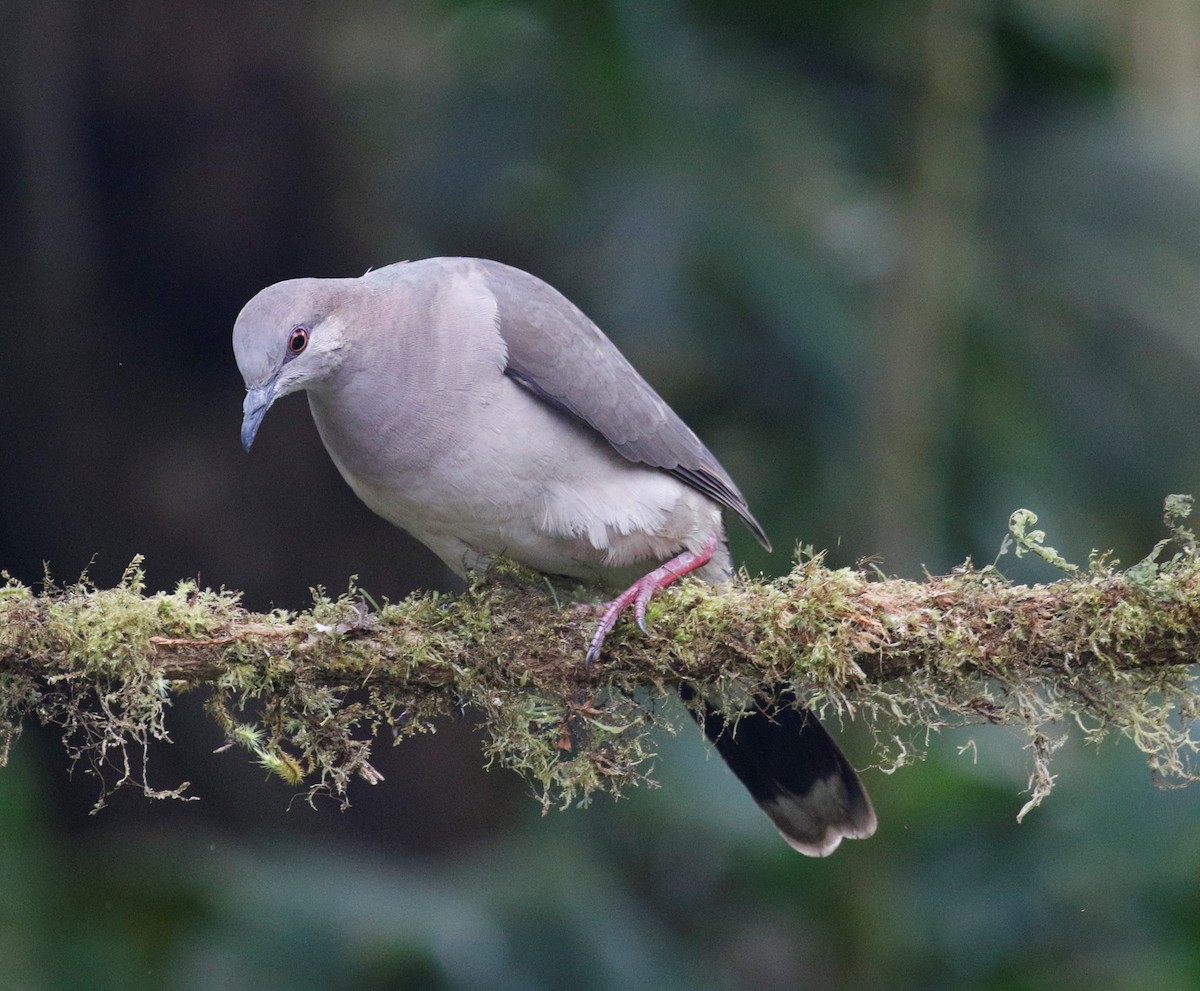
<point x="905" y="266"/>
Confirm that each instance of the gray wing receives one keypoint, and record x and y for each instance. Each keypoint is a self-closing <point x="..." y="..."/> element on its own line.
<point x="564" y="359"/>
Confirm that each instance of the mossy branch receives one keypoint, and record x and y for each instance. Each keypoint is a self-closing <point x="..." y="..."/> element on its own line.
<point x="1103" y="649"/>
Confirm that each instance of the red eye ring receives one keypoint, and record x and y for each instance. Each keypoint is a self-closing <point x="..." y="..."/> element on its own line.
<point x="298" y="340"/>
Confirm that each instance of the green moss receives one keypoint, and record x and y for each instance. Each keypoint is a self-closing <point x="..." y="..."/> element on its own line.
<point x="1098" y="652"/>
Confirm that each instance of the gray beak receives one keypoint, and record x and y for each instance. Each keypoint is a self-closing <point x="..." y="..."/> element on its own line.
<point x="254" y="408"/>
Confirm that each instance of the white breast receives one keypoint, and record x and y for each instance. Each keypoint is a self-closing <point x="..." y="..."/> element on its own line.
<point x="552" y="495"/>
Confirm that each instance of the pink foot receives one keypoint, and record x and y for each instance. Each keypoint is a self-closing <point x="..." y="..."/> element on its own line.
<point x="642" y="591"/>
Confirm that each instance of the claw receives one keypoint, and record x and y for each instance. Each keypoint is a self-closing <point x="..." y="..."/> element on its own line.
<point x="643" y="590"/>
<point x="645" y="594"/>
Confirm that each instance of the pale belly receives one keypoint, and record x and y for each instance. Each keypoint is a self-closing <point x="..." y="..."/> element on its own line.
<point x="603" y="536"/>
<point x="550" y="493"/>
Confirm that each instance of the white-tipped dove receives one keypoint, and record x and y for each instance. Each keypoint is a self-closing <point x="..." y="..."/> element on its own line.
<point x="473" y="405"/>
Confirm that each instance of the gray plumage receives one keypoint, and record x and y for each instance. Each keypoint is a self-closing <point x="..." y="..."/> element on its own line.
<point x="477" y="408"/>
<point x="553" y="347"/>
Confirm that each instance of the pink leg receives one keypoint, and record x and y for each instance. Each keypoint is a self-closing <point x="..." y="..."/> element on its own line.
<point x="642" y="591"/>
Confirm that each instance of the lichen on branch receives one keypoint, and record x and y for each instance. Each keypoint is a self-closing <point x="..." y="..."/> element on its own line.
<point x="1101" y="650"/>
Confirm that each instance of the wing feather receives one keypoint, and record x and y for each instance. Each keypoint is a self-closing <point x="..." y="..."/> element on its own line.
<point x="565" y="360"/>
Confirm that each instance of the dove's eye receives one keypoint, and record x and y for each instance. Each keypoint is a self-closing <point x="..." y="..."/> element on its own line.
<point x="297" y="340"/>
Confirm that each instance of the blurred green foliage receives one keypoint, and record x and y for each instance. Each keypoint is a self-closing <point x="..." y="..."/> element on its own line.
<point x="1095" y="889"/>
<point x="906" y="266"/>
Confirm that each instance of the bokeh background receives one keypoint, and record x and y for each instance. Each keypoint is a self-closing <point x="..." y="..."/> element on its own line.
<point x="906" y="266"/>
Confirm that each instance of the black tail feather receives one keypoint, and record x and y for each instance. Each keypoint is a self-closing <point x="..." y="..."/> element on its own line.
<point x="792" y="768"/>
